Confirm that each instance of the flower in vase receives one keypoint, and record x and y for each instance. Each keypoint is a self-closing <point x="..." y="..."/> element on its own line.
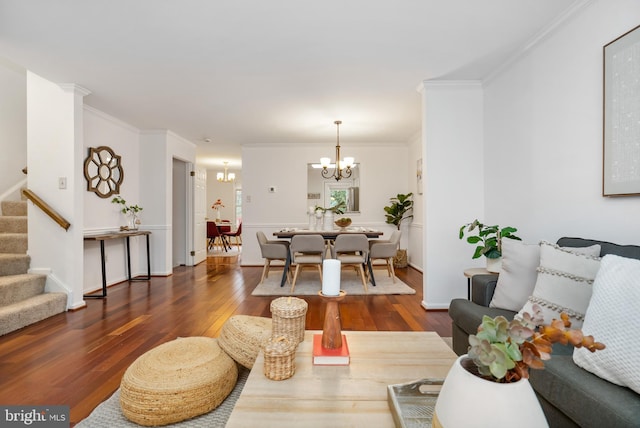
<point x="217" y="204"/>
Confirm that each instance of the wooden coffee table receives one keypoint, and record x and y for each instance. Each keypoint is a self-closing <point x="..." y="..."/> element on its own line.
<point x="353" y="395"/>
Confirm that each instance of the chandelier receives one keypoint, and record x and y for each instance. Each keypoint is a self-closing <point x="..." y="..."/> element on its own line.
<point x="342" y="168"/>
<point x="225" y="177"/>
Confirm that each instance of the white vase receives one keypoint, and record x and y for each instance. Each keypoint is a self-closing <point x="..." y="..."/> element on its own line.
<point x="328" y="220"/>
<point x="132" y="221"/>
<point x="469" y="401"/>
<point x="218" y="215"/>
<point x="494" y="265"/>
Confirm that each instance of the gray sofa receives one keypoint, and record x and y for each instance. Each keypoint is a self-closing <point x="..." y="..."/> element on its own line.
<point x="569" y="395"/>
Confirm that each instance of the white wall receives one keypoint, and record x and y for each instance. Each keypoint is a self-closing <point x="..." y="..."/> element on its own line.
<point x="100" y="214"/>
<point x="415" y="226"/>
<point x="13" y="126"/>
<point x="158" y="149"/>
<point x="55" y="149"/>
<point x="383" y="175"/>
<point x="543" y="155"/>
<point x="453" y="184"/>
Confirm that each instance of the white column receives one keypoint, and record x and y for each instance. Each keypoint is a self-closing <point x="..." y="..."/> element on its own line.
<point x="453" y="177"/>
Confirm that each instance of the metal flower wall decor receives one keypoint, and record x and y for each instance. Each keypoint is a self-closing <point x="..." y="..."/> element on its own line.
<point x="103" y="171"/>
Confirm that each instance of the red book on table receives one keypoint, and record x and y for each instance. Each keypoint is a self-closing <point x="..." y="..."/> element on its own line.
<point x="330" y="357"/>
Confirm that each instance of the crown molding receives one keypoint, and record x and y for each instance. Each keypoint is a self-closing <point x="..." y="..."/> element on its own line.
<point x="539" y="37"/>
<point x="76" y="89"/>
<point x="110" y="118"/>
<point x="448" y="84"/>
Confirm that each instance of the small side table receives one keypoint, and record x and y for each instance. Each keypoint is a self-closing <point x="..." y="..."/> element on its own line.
<point x="470" y="273"/>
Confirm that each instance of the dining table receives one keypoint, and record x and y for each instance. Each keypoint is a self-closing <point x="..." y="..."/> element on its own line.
<point x="328" y="235"/>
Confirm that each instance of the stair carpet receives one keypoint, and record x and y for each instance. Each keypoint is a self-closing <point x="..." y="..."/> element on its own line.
<point x="23" y="300"/>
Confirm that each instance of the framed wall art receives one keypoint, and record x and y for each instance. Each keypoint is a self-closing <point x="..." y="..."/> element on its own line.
<point x="621" y="115"/>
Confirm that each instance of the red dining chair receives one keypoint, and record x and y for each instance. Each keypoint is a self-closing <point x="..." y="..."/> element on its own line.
<point x="215" y="237"/>
<point x="237" y="235"/>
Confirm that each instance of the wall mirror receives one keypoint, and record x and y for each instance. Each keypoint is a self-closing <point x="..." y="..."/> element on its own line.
<point x="325" y="192"/>
<point x="103" y="171"/>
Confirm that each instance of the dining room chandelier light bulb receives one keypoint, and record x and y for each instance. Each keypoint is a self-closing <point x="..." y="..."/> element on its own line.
<point x="342" y="168"/>
<point x="225" y="177"/>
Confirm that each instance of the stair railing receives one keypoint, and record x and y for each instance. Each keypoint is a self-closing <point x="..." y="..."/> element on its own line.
<point x="46" y="208"/>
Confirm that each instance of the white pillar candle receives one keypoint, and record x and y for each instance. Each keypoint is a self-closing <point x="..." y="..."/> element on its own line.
<point x="331" y="277"/>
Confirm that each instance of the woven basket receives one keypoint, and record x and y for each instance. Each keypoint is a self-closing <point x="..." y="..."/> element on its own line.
<point x="400" y="259"/>
<point x="242" y="337"/>
<point x="279" y="357"/>
<point x="289" y="316"/>
<point x="177" y="380"/>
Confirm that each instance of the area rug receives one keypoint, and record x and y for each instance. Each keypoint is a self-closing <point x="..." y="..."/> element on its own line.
<point x="308" y="284"/>
<point x="220" y="253"/>
<point x="109" y="415"/>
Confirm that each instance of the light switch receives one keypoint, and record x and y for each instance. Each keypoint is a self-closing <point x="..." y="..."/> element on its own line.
<point x="62" y="182"/>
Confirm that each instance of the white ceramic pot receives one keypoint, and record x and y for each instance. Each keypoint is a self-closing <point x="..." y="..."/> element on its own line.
<point x="328" y="221"/>
<point x="468" y="401"/>
<point x="494" y="265"/>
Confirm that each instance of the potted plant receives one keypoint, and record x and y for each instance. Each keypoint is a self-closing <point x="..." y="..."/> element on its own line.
<point x="398" y="211"/>
<point x="329" y="212"/>
<point x="496" y="370"/>
<point x="339" y="208"/>
<point x="129" y="210"/>
<point x="488" y="241"/>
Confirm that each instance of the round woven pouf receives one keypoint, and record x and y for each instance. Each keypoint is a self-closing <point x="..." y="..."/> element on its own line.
<point x="177" y="380"/>
<point x="242" y="337"/>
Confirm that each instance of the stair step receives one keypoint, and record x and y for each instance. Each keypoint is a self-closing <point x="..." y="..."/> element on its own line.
<point x="15" y="288"/>
<point x="13" y="224"/>
<point x="14" y="208"/>
<point x="15" y="243"/>
<point x="14" y="264"/>
<point x="31" y="310"/>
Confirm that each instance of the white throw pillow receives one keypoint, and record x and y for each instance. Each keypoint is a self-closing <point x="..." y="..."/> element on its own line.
<point x="518" y="274"/>
<point x="613" y="318"/>
<point x="564" y="283"/>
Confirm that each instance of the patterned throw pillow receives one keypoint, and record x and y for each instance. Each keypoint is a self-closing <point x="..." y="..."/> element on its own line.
<point x="612" y="318"/>
<point x="564" y="283"/>
<point x="519" y="272"/>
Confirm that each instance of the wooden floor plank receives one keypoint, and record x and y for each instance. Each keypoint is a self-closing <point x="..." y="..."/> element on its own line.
<point x="78" y="358"/>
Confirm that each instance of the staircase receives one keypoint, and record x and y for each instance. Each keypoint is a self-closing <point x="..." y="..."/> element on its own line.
<point x="23" y="300"/>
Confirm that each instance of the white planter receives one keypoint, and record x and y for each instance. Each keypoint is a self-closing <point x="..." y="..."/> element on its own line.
<point x="328" y="221"/>
<point x="469" y="401"/>
<point x="494" y="265"/>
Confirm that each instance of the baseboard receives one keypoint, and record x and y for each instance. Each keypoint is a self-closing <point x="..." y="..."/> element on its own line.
<point x="434" y="306"/>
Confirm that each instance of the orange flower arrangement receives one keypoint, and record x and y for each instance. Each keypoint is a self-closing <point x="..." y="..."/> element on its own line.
<point x="217" y="204"/>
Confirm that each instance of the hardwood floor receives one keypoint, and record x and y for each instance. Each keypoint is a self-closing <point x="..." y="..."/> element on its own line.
<point x="78" y="358"/>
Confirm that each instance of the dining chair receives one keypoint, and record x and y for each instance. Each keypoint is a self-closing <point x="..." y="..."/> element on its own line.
<point x="352" y="249"/>
<point x="306" y="250"/>
<point x="386" y="250"/>
<point x="215" y="237"/>
<point x="273" y="250"/>
<point x="237" y="234"/>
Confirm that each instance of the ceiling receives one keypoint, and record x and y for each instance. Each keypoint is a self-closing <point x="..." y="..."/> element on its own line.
<point x="227" y="73"/>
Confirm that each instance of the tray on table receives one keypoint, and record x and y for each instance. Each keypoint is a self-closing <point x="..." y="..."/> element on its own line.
<point x="412" y="404"/>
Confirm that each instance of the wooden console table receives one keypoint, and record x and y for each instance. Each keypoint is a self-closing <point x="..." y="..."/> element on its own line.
<point x="126" y="234"/>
